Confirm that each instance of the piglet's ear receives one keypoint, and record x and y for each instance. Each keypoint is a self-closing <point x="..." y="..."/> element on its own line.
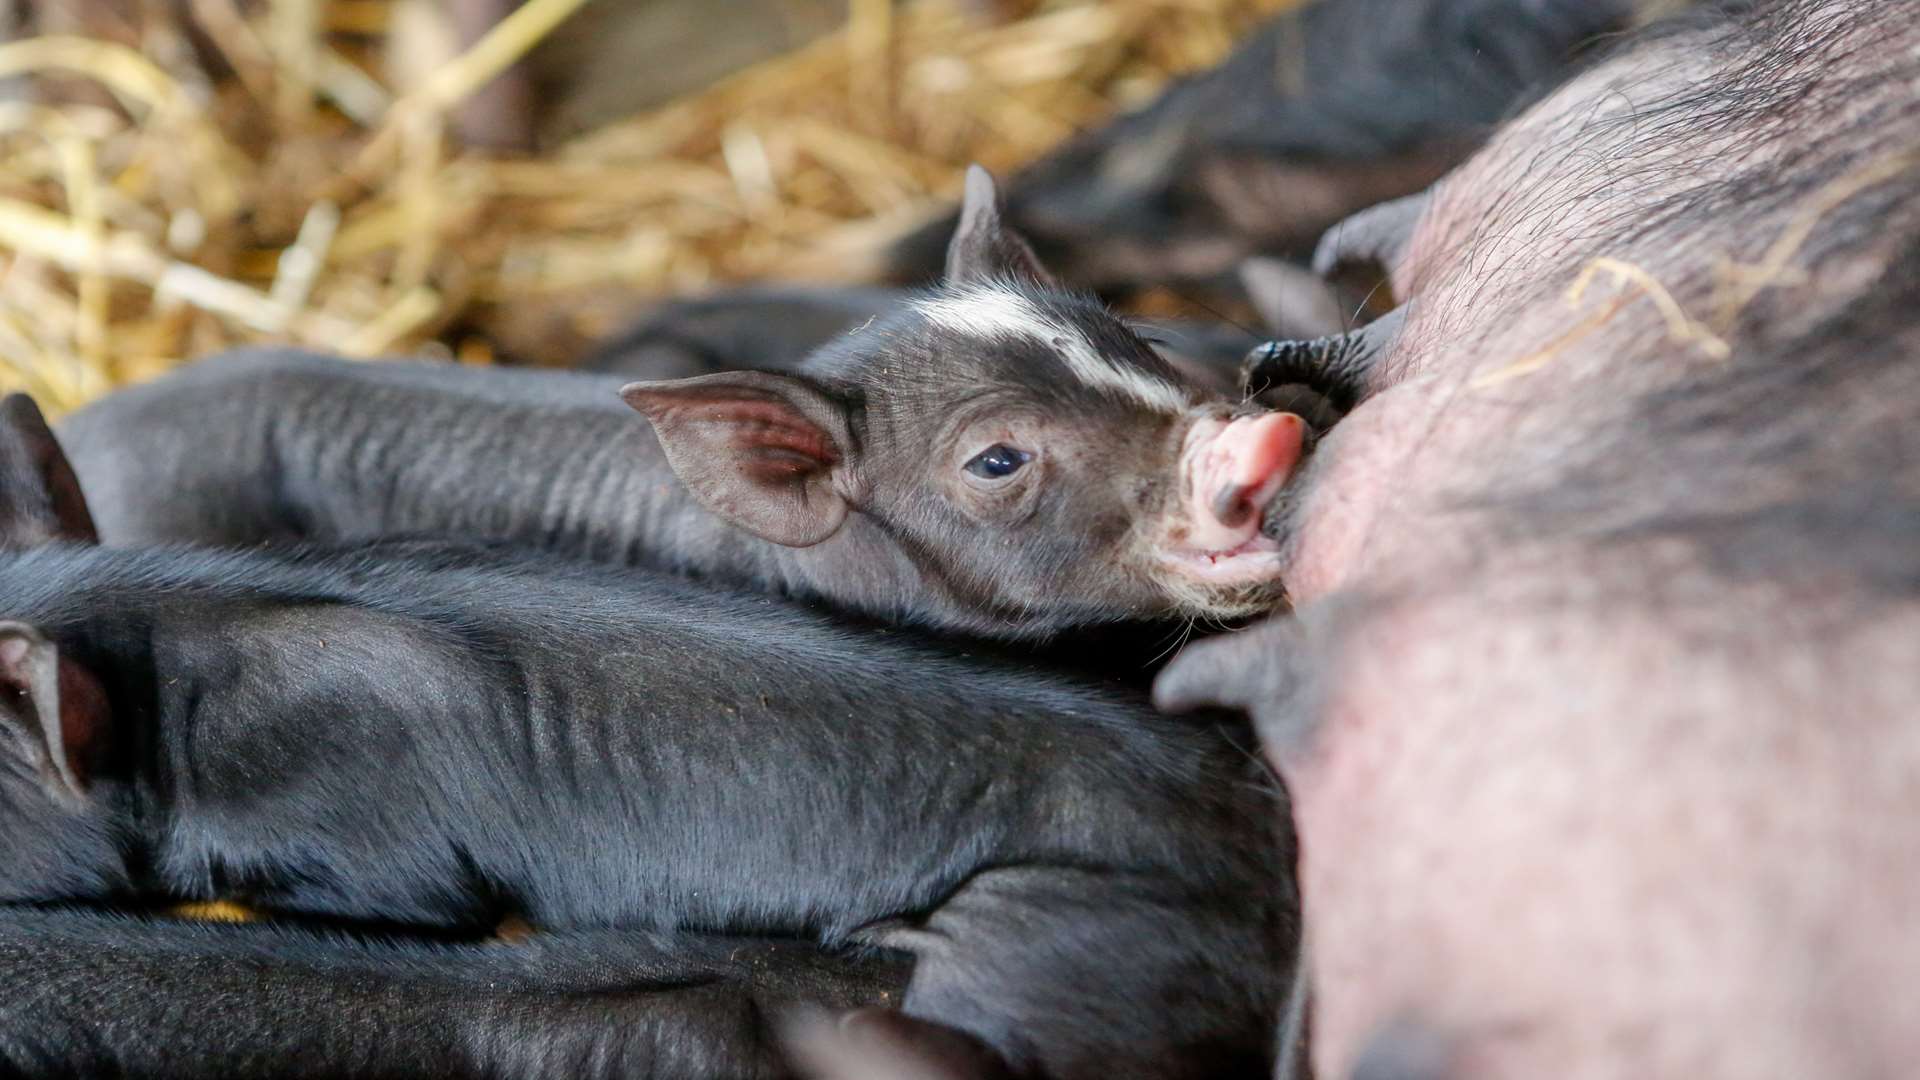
<point x="50" y="710"/>
<point x="769" y="453"/>
<point x="40" y="499"/>
<point x="984" y="247"/>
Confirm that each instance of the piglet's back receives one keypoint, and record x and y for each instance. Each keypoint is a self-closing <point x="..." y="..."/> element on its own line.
<point x="418" y="733"/>
<point x="371" y="687"/>
<point x="276" y="444"/>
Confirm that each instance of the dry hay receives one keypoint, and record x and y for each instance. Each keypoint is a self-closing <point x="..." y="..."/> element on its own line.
<point x="291" y="197"/>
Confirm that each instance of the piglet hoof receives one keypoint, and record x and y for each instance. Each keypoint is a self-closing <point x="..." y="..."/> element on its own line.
<point x="1313" y="363"/>
<point x="1342" y="367"/>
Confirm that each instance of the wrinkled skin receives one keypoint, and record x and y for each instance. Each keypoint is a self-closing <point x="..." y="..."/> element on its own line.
<point x="1597" y="710"/>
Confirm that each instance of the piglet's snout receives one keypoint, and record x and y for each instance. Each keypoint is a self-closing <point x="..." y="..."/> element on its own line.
<point x="1233" y="469"/>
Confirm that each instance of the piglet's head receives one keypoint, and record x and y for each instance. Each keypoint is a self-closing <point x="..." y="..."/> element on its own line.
<point x="53" y="711"/>
<point x="1034" y="460"/>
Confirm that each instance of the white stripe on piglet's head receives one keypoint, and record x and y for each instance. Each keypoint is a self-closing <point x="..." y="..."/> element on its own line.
<point x="989" y="311"/>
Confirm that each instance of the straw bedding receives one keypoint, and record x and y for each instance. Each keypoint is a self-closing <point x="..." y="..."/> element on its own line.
<point x="259" y="180"/>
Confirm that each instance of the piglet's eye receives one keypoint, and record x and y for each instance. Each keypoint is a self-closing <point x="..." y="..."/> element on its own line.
<point x="997" y="462"/>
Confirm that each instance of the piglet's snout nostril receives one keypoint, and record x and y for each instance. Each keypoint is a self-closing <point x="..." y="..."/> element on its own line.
<point x="1233" y="469"/>
<point x="1232" y="506"/>
<point x="1256" y="453"/>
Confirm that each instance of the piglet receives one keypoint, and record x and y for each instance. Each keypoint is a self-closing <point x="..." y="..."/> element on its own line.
<point x="997" y="456"/>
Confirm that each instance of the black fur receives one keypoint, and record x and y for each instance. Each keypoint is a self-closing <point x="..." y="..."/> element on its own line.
<point x="438" y="736"/>
<point x="845" y="480"/>
<point x="94" y="994"/>
<point x="279" y="445"/>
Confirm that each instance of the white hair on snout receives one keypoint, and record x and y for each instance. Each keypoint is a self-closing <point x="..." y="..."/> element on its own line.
<point x="989" y="311"/>
<point x="1205" y="600"/>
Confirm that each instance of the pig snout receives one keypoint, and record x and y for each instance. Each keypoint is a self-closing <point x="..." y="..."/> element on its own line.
<point x="1234" y="468"/>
